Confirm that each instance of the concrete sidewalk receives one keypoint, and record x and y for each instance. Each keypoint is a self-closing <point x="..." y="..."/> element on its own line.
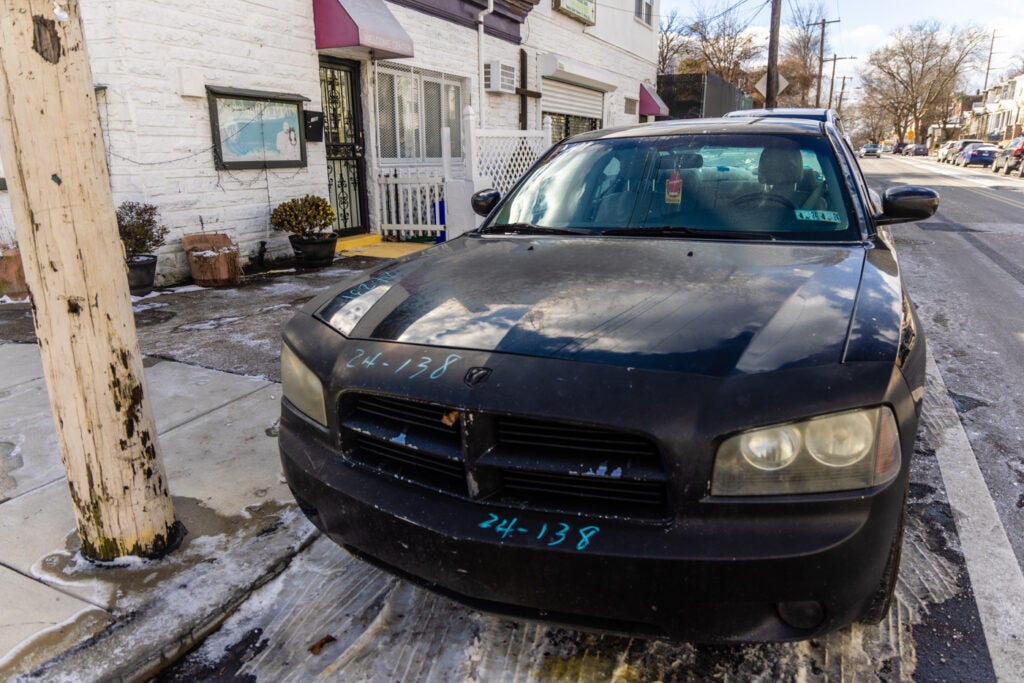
<point x="63" y="618"/>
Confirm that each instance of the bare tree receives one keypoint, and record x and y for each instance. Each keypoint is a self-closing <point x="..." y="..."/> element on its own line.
<point x="917" y="72"/>
<point x="867" y="121"/>
<point x="1015" y="67"/>
<point x="800" y="51"/>
<point x="722" y="43"/>
<point x="672" y="43"/>
<point x="888" y="99"/>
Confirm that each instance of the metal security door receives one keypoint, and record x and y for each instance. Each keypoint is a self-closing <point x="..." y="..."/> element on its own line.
<point x="343" y="138"/>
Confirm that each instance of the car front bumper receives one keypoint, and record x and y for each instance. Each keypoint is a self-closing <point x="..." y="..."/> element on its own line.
<point x="710" y="569"/>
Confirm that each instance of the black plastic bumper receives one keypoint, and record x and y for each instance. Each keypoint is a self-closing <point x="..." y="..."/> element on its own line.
<point x="722" y="575"/>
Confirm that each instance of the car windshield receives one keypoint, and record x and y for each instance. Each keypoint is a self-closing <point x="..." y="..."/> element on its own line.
<point x="721" y="185"/>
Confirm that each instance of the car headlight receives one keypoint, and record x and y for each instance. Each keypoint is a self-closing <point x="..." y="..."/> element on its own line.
<point x="301" y="387"/>
<point x="838" y="452"/>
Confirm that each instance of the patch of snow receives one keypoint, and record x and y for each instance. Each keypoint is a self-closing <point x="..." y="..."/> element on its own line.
<point x="148" y="307"/>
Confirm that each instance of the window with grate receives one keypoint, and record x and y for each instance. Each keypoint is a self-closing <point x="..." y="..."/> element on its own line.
<point x="644" y="10"/>
<point x="565" y="125"/>
<point x="632" y="106"/>
<point x="412" y="107"/>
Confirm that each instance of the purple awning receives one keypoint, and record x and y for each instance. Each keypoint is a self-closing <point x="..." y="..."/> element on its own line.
<point x="650" y="103"/>
<point x="363" y="24"/>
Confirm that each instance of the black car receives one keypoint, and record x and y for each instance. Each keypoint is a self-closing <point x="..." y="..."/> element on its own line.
<point x="670" y="386"/>
<point x="830" y="116"/>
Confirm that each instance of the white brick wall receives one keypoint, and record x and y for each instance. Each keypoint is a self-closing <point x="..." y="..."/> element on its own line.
<point x="618" y="44"/>
<point x="159" y="142"/>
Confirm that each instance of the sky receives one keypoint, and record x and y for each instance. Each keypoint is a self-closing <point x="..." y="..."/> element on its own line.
<point x="865" y="25"/>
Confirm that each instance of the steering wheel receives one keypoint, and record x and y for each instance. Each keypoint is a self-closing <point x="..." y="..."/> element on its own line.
<point x="762" y="199"/>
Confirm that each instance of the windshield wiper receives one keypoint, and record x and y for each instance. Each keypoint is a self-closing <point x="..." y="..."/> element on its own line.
<point x="531" y="229"/>
<point x="682" y="231"/>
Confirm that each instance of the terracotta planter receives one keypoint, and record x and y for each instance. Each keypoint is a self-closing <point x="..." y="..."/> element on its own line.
<point x="141" y="274"/>
<point x="12" y="274"/>
<point x="213" y="259"/>
<point x="314" y="251"/>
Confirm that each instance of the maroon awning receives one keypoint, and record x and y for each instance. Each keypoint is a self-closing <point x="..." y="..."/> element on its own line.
<point x="650" y="103"/>
<point x="361" y="24"/>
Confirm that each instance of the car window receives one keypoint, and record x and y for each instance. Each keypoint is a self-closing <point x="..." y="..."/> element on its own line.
<point x="787" y="186"/>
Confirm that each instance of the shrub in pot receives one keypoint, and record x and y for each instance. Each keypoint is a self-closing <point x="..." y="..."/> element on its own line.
<point x="308" y="219"/>
<point x="141" y="233"/>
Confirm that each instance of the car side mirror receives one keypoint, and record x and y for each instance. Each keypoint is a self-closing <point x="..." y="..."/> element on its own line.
<point x="484" y="201"/>
<point x="907" y="203"/>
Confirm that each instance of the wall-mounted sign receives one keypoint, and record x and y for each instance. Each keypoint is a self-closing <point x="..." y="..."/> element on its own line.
<point x="256" y="130"/>
<point x="584" y="11"/>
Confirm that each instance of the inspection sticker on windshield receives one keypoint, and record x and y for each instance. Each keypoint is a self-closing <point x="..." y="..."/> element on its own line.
<point x="815" y="215"/>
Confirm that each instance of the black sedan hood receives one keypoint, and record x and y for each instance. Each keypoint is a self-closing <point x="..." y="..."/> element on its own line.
<point x="707" y="307"/>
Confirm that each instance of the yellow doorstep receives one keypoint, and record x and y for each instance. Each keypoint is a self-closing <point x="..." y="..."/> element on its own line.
<point x="371" y="245"/>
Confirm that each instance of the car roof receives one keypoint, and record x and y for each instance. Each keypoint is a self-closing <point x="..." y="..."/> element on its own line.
<point x="769" y="126"/>
<point x="816" y="113"/>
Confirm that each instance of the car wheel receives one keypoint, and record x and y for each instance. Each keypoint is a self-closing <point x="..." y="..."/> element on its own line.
<point x="878" y="607"/>
<point x="994" y="168"/>
<point x="1006" y="169"/>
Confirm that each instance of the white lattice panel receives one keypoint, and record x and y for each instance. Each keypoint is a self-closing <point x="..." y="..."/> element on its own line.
<point x="505" y="157"/>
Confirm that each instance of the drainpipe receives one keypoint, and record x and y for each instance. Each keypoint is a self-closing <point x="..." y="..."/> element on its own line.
<point x="480" y="57"/>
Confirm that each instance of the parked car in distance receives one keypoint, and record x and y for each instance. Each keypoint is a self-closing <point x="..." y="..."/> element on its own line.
<point x="1008" y="157"/>
<point x="898" y="147"/>
<point x="954" y="149"/>
<point x="977" y="153"/>
<point x="915" y="151"/>
<point x="869" y="150"/>
<point x="528" y="418"/>
<point x="943" y="150"/>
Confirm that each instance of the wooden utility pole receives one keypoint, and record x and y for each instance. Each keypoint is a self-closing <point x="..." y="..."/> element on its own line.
<point x="52" y="151"/>
<point x="988" y="65"/>
<point x="832" y="81"/>
<point x="771" y="93"/>
<point x="821" y="58"/>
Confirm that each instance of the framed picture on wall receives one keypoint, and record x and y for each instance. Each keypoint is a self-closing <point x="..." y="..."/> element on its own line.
<point x="254" y="129"/>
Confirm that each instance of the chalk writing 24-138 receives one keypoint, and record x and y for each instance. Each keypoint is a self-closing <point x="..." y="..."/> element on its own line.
<point x="411" y="367"/>
<point x="551" y="534"/>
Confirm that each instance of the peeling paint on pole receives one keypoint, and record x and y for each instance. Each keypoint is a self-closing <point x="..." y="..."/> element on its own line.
<point x="74" y="266"/>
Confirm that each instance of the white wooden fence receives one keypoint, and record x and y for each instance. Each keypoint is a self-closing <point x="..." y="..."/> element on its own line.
<point x="412" y="200"/>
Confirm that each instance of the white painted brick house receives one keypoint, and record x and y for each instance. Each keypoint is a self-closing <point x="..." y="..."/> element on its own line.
<point x="158" y="67"/>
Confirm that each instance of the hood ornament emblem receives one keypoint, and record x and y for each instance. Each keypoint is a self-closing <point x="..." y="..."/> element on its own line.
<point x="476" y="376"/>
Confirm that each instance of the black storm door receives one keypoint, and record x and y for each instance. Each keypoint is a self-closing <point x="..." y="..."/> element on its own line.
<point x="343" y="139"/>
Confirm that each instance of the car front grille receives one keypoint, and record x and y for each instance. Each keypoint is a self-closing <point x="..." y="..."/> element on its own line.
<point x="525" y="462"/>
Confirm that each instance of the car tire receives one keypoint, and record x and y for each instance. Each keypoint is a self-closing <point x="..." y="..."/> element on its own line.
<point x="878" y="606"/>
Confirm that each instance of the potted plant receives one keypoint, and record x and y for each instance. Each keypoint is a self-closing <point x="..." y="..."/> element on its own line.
<point x="12" y="274"/>
<point x="141" y="233"/>
<point x="309" y="220"/>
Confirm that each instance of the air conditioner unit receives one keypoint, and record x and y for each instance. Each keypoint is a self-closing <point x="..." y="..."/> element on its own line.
<point x="499" y="77"/>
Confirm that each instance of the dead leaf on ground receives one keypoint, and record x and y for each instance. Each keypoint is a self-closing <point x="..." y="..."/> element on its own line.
<point x="319" y="645"/>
